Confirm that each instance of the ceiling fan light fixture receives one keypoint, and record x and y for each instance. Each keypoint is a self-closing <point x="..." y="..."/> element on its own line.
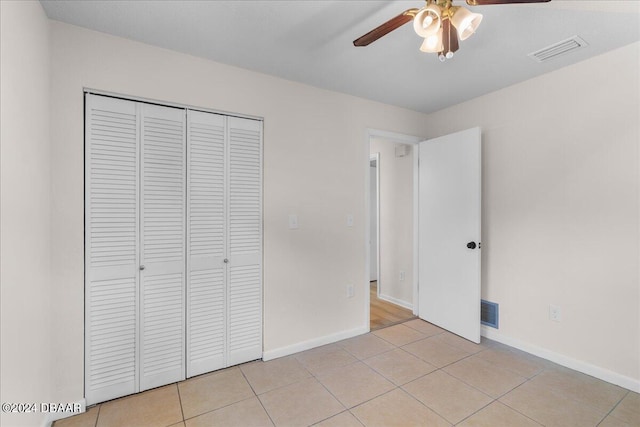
<point x="433" y="43"/>
<point x="427" y="20"/>
<point x="465" y="22"/>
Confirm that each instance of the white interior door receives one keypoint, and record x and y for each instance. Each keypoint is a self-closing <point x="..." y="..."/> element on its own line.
<point x="449" y="224"/>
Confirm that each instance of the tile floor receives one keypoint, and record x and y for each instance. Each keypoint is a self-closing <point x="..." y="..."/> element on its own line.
<point x="412" y="374"/>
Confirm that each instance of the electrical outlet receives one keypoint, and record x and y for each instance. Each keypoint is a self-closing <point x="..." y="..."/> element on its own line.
<point x="401" y="275"/>
<point x="350" y="220"/>
<point x="350" y="291"/>
<point x="293" y="222"/>
<point x="555" y="313"/>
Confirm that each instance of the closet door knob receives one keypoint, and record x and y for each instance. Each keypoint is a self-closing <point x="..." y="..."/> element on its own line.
<point x="142" y="267"/>
<point x="226" y="261"/>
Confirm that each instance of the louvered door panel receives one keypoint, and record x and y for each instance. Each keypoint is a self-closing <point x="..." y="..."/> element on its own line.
<point x="206" y="238"/>
<point x="162" y="281"/>
<point x="111" y="242"/>
<point x="244" y="240"/>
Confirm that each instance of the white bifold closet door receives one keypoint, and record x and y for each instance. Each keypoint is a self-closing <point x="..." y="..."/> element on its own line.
<point x="206" y="243"/>
<point x="224" y="260"/>
<point x="111" y="247"/>
<point x="244" y="212"/>
<point x="173" y="244"/>
<point x="135" y="232"/>
<point x="162" y="249"/>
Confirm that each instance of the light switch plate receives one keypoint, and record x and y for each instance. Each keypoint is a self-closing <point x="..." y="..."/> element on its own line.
<point x="350" y="291"/>
<point x="555" y="313"/>
<point x="293" y="222"/>
<point x="350" y="220"/>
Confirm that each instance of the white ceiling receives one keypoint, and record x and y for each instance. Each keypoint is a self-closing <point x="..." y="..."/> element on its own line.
<point x="311" y="41"/>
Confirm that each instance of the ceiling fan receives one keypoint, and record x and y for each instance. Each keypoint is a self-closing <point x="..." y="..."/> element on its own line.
<point x="439" y="23"/>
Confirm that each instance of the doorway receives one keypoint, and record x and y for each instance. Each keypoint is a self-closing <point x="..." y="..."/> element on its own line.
<point x="391" y="184"/>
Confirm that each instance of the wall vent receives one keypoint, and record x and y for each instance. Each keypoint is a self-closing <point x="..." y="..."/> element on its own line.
<point x="489" y="313"/>
<point x="558" y="49"/>
<point x="403" y="150"/>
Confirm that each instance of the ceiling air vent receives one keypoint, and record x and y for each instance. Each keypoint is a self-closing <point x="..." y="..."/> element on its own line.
<point x="558" y="49"/>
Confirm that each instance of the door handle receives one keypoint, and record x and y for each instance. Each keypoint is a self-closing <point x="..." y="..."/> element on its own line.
<point x="471" y="245"/>
<point x="142" y="267"/>
<point x="226" y="261"/>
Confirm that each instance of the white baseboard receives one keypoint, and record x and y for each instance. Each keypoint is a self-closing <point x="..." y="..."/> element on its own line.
<point x="396" y="301"/>
<point x="312" y="343"/>
<point x="55" y="416"/>
<point x="566" y="361"/>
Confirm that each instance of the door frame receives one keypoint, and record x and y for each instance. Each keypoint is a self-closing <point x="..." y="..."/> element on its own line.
<point x="376" y="157"/>
<point x="366" y="161"/>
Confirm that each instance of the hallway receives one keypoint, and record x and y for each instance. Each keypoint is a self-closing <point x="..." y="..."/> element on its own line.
<point x="384" y="313"/>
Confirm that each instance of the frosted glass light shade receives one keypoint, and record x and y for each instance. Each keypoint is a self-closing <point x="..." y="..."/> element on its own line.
<point x="465" y="22"/>
<point x="427" y="20"/>
<point x="433" y="43"/>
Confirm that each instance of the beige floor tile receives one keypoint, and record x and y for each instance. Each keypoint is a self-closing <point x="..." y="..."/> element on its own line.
<point x="434" y="351"/>
<point x="423" y="327"/>
<point x="399" y="334"/>
<point x="629" y="409"/>
<point x="354" y="384"/>
<point x="612" y="421"/>
<point x="516" y="361"/>
<point x="397" y="409"/>
<point x="485" y="376"/>
<point x="399" y="367"/>
<point x="157" y="407"/>
<point x="365" y="346"/>
<point x="86" y="419"/>
<point x="180" y="424"/>
<point x="343" y="419"/>
<point x="496" y="415"/>
<point x="300" y="404"/>
<point x="461" y="343"/>
<point x="265" y="376"/>
<point x="597" y="394"/>
<point x="322" y="358"/>
<point x="212" y="391"/>
<point x="550" y="407"/>
<point x="247" y="413"/>
<point x="448" y="396"/>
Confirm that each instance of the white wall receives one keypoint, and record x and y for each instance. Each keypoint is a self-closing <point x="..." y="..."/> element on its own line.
<point x="24" y="208"/>
<point x="314" y="166"/>
<point x="560" y="209"/>
<point x="396" y="222"/>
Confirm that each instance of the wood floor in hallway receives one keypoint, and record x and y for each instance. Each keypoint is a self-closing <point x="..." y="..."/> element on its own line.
<point x="384" y="313"/>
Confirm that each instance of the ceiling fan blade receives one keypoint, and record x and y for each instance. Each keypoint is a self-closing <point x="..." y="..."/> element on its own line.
<point x="386" y="28"/>
<point x="485" y="2"/>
